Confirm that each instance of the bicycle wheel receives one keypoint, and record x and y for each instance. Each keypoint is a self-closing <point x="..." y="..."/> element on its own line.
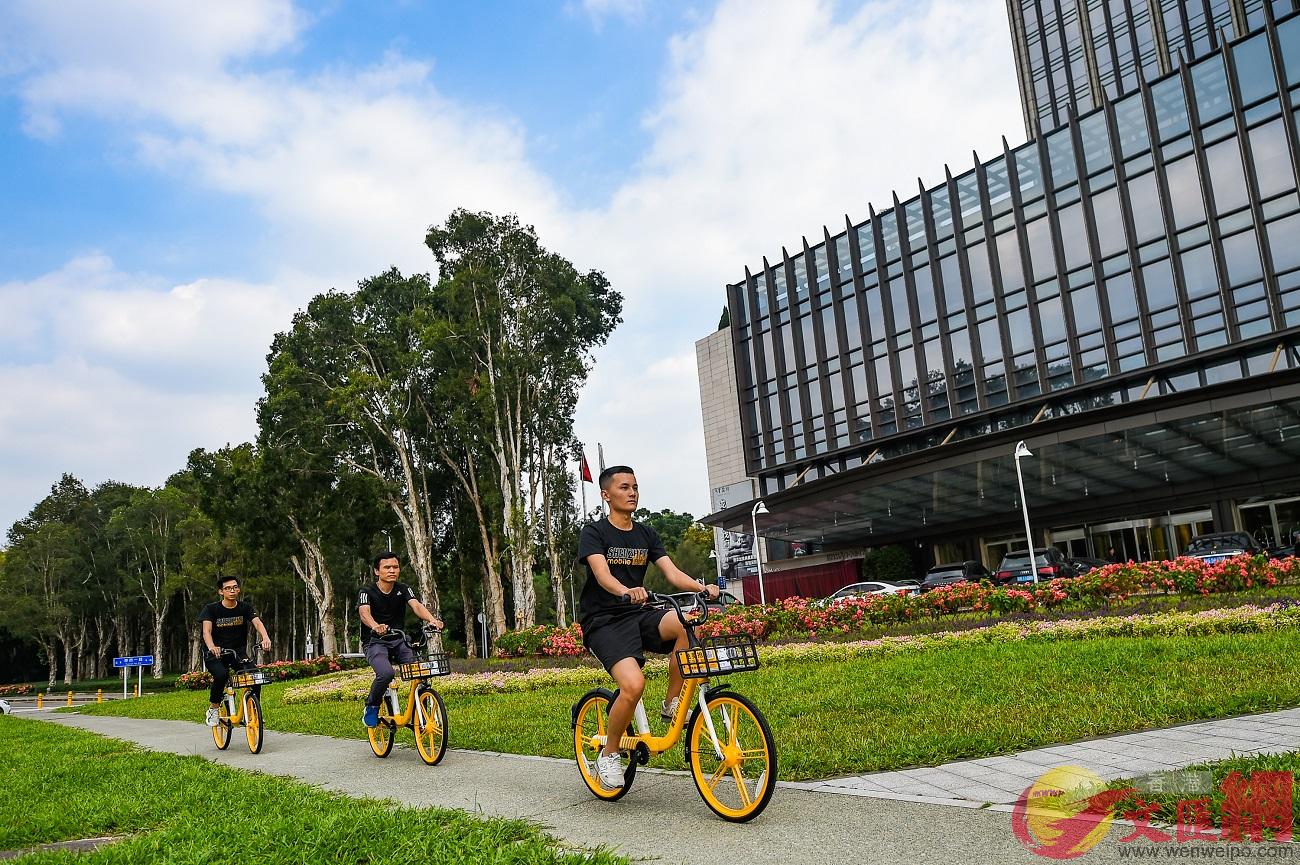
<point x="221" y="732"/>
<point x="589" y="722"/>
<point x="738" y="784"/>
<point x="253" y="721"/>
<point x="431" y="735"/>
<point x="382" y="736"/>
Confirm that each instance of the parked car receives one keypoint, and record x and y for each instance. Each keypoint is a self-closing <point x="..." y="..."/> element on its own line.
<point x="1015" y="567"/>
<point x="1221" y="545"/>
<point x="5" y="708"/>
<point x="1084" y="564"/>
<point x="859" y="590"/>
<point x="969" y="571"/>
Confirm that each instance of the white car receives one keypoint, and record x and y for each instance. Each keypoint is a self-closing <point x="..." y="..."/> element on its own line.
<point x="5" y="708"/>
<point x="858" y="590"/>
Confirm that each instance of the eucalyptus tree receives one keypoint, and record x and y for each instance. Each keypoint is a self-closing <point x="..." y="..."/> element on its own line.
<point x="512" y="348"/>
<point x="342" y="396"/>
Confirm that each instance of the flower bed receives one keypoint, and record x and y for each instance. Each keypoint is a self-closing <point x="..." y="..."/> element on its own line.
<point x="1240" y="620"/>
<point x="798" y="618"/>
<point x="15" y="690"/>
<point x="279" y="670"/>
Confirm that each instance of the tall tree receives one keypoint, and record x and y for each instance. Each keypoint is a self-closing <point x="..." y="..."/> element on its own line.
<point x="519" y="329"/>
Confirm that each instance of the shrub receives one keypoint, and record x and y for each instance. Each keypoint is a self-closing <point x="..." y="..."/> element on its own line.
<point x="279" y="670"/>
<point x="14" y="690"/>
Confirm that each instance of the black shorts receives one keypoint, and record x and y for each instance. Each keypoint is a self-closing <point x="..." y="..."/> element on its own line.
<point x="628" y="637"/>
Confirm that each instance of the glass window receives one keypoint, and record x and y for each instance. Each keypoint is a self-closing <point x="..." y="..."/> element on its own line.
<point x="1210" y="84"/>
<point x="866" y="246"/>
<point x="995" y="175"/>
<point x="1254" y="69"/>
<point x="1185" y="192"/>
<point x="1087" y="315"/>
<point x="1022" y="335"/>
<point x="914" y="213"/>
<point x="959" y="344"/>
<point x="1284" y="242"/>
<point x="1226" y="178"/>
<point x="1123" y="301"/>
<point x="1272" y="158"/>
<point x="1009" y="261"/>
<point x="1096" y="144"/>
<point x="843" y="258"/>
<point x="829" y="330"/>
<point x="852" y="327"/>
<point x="1131" y="126"/>
<point x="1170" y="108"/>
<point x="1241" y="257"/>
<point x="990" y="341"/>
<point x="941" y="209"/>
<point x="980" y="278"/>
<point x="1158" y="279"/>
<point x="1110" y="222"/>
<point x="1198" y="272"/>
<point x="968" y="196"/>
<point x="1029" y="172"/>
<point x="1144" y="200"/>
<point x="952" y="293"/>
<point x="1288" y="38"/>
<point x="925" y="307"/>
<point x="1060" y="152"/>
<point x="822" y="275"/>
<point x="888" y="226"/>
<point x="1074" y="238"/>
<point x="1039" y="233"/>
<point x="1051" y="320"/>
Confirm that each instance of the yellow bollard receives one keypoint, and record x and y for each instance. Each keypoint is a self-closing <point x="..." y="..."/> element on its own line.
<point x="69" y="698"/>
<point x="99" y="697"/>
<point x="137" y="690"/>
<point x="40" y="701"/>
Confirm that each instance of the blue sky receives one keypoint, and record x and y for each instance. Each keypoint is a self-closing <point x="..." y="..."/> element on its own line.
<point x="177" y="178"/>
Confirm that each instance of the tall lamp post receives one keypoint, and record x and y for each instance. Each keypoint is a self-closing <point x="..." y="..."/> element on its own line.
<point x="1022" y="451"/>
<point x="759" y="508"/>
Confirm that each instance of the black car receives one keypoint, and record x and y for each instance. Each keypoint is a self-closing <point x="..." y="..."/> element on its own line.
<point x="1083" y="564"/>
<point x="1051" y="563"/>
<point x="969" y="571"/>
<point x="1221" y="545"/>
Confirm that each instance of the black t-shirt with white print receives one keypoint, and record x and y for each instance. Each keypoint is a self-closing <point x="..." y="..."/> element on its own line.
<point x="386" y="609"/>
<point x="628" y="553"/>
<point x="229" y="624"/>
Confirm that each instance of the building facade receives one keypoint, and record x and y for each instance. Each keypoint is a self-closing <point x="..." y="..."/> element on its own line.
<point x="1122" y="292"/>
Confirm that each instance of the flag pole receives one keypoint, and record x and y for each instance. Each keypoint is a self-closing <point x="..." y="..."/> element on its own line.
<point x="600" y="458"/>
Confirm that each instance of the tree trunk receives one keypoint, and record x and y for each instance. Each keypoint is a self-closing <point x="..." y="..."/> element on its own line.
<point x="160" y="614"/>
<point x="313" y="570"/>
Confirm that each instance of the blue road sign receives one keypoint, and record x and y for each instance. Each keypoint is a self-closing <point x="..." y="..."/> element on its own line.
<point x="134" y="661"/>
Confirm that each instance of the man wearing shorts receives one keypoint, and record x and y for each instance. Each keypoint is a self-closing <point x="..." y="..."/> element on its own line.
<point x="617" y="551"/>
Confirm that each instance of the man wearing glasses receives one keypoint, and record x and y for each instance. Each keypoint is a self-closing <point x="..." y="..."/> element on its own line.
<point x="225" y="626"/>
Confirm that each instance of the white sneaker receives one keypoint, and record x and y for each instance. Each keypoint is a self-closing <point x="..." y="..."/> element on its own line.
<point x="668" y="711"/>
<point x="212" y="719"/>
<point x="609" y="768"/>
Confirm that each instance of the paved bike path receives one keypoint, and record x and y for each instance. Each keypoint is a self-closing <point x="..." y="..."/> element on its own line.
<point x="662" y="818"/>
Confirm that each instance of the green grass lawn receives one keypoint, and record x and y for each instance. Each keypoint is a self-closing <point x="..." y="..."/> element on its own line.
<point x="62" y="784"/>
<point x="876" y="713"/>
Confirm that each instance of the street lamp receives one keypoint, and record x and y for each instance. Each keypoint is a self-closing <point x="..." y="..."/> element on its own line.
<point x="1022" y="451"/>
<point x="384" y="532"/>
<point x="759" y="508"/>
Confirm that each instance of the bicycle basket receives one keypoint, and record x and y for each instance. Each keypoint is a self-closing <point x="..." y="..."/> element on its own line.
<point x="249" y="678"/>
<point x="730" y="653"/>
<point x="437" y="664"/>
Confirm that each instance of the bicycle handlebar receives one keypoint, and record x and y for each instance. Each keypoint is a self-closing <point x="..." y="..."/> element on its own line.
<point x="673" y="600"/>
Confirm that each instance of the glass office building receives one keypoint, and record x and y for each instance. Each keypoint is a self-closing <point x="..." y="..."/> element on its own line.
<point x="1122" y="292"/>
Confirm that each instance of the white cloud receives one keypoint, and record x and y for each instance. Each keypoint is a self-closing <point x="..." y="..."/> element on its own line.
<point x="773" y="119"/>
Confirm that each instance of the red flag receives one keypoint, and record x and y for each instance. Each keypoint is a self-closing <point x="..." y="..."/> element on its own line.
<point x="586" y="472"/>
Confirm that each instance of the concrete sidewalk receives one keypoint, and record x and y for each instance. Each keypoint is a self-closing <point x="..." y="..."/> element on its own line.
<point x="1001" y="780"/>
<point x="662" y="818"/>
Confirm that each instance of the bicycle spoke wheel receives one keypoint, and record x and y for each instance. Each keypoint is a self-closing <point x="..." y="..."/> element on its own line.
<point x="431" y="733"/>
<point x="593" y="713"/>
<point x="737" y="783"/>
<point x="221" y="732"/>
<point x="381" y="737"/>
<point x="253" y="721"/>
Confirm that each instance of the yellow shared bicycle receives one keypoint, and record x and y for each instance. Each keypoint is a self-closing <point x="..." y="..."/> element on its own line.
<point x="425" y="713"/>
<point x="241" y="705"/>
<point x="729" y="745"/>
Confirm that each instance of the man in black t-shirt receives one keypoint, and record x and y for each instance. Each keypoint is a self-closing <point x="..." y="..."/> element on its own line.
<point x="225" y="626"/>
<point x="617" y="550"/>
<point x="381" y="607"/>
